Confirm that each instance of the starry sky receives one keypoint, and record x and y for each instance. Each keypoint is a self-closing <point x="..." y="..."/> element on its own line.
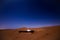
<point x="29" y="13"/>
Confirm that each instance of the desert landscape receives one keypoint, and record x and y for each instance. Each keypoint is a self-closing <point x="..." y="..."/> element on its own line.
<point x="43" y="33"/>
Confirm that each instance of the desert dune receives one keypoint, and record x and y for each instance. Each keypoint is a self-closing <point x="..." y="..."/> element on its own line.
<point x="43" y="33"/>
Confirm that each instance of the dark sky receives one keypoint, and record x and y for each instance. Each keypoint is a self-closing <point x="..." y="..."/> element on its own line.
<point x="29" y="13"/>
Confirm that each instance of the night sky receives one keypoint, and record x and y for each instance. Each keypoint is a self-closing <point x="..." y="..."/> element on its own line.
<point x="29" y="13"/>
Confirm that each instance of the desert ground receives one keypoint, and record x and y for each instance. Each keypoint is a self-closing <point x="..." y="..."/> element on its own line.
<point x="43" y="33"/>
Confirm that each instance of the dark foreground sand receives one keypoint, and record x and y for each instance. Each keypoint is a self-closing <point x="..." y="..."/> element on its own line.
<point x="45" y="33"/>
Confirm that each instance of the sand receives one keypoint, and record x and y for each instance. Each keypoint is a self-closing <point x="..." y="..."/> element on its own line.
<point x="44" y="33"/>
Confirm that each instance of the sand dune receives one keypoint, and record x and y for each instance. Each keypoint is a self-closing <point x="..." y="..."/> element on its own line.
<point x="45" y="33"/>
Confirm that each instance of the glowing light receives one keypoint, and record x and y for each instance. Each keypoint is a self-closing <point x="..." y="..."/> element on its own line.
<point x="28" y="30"/>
